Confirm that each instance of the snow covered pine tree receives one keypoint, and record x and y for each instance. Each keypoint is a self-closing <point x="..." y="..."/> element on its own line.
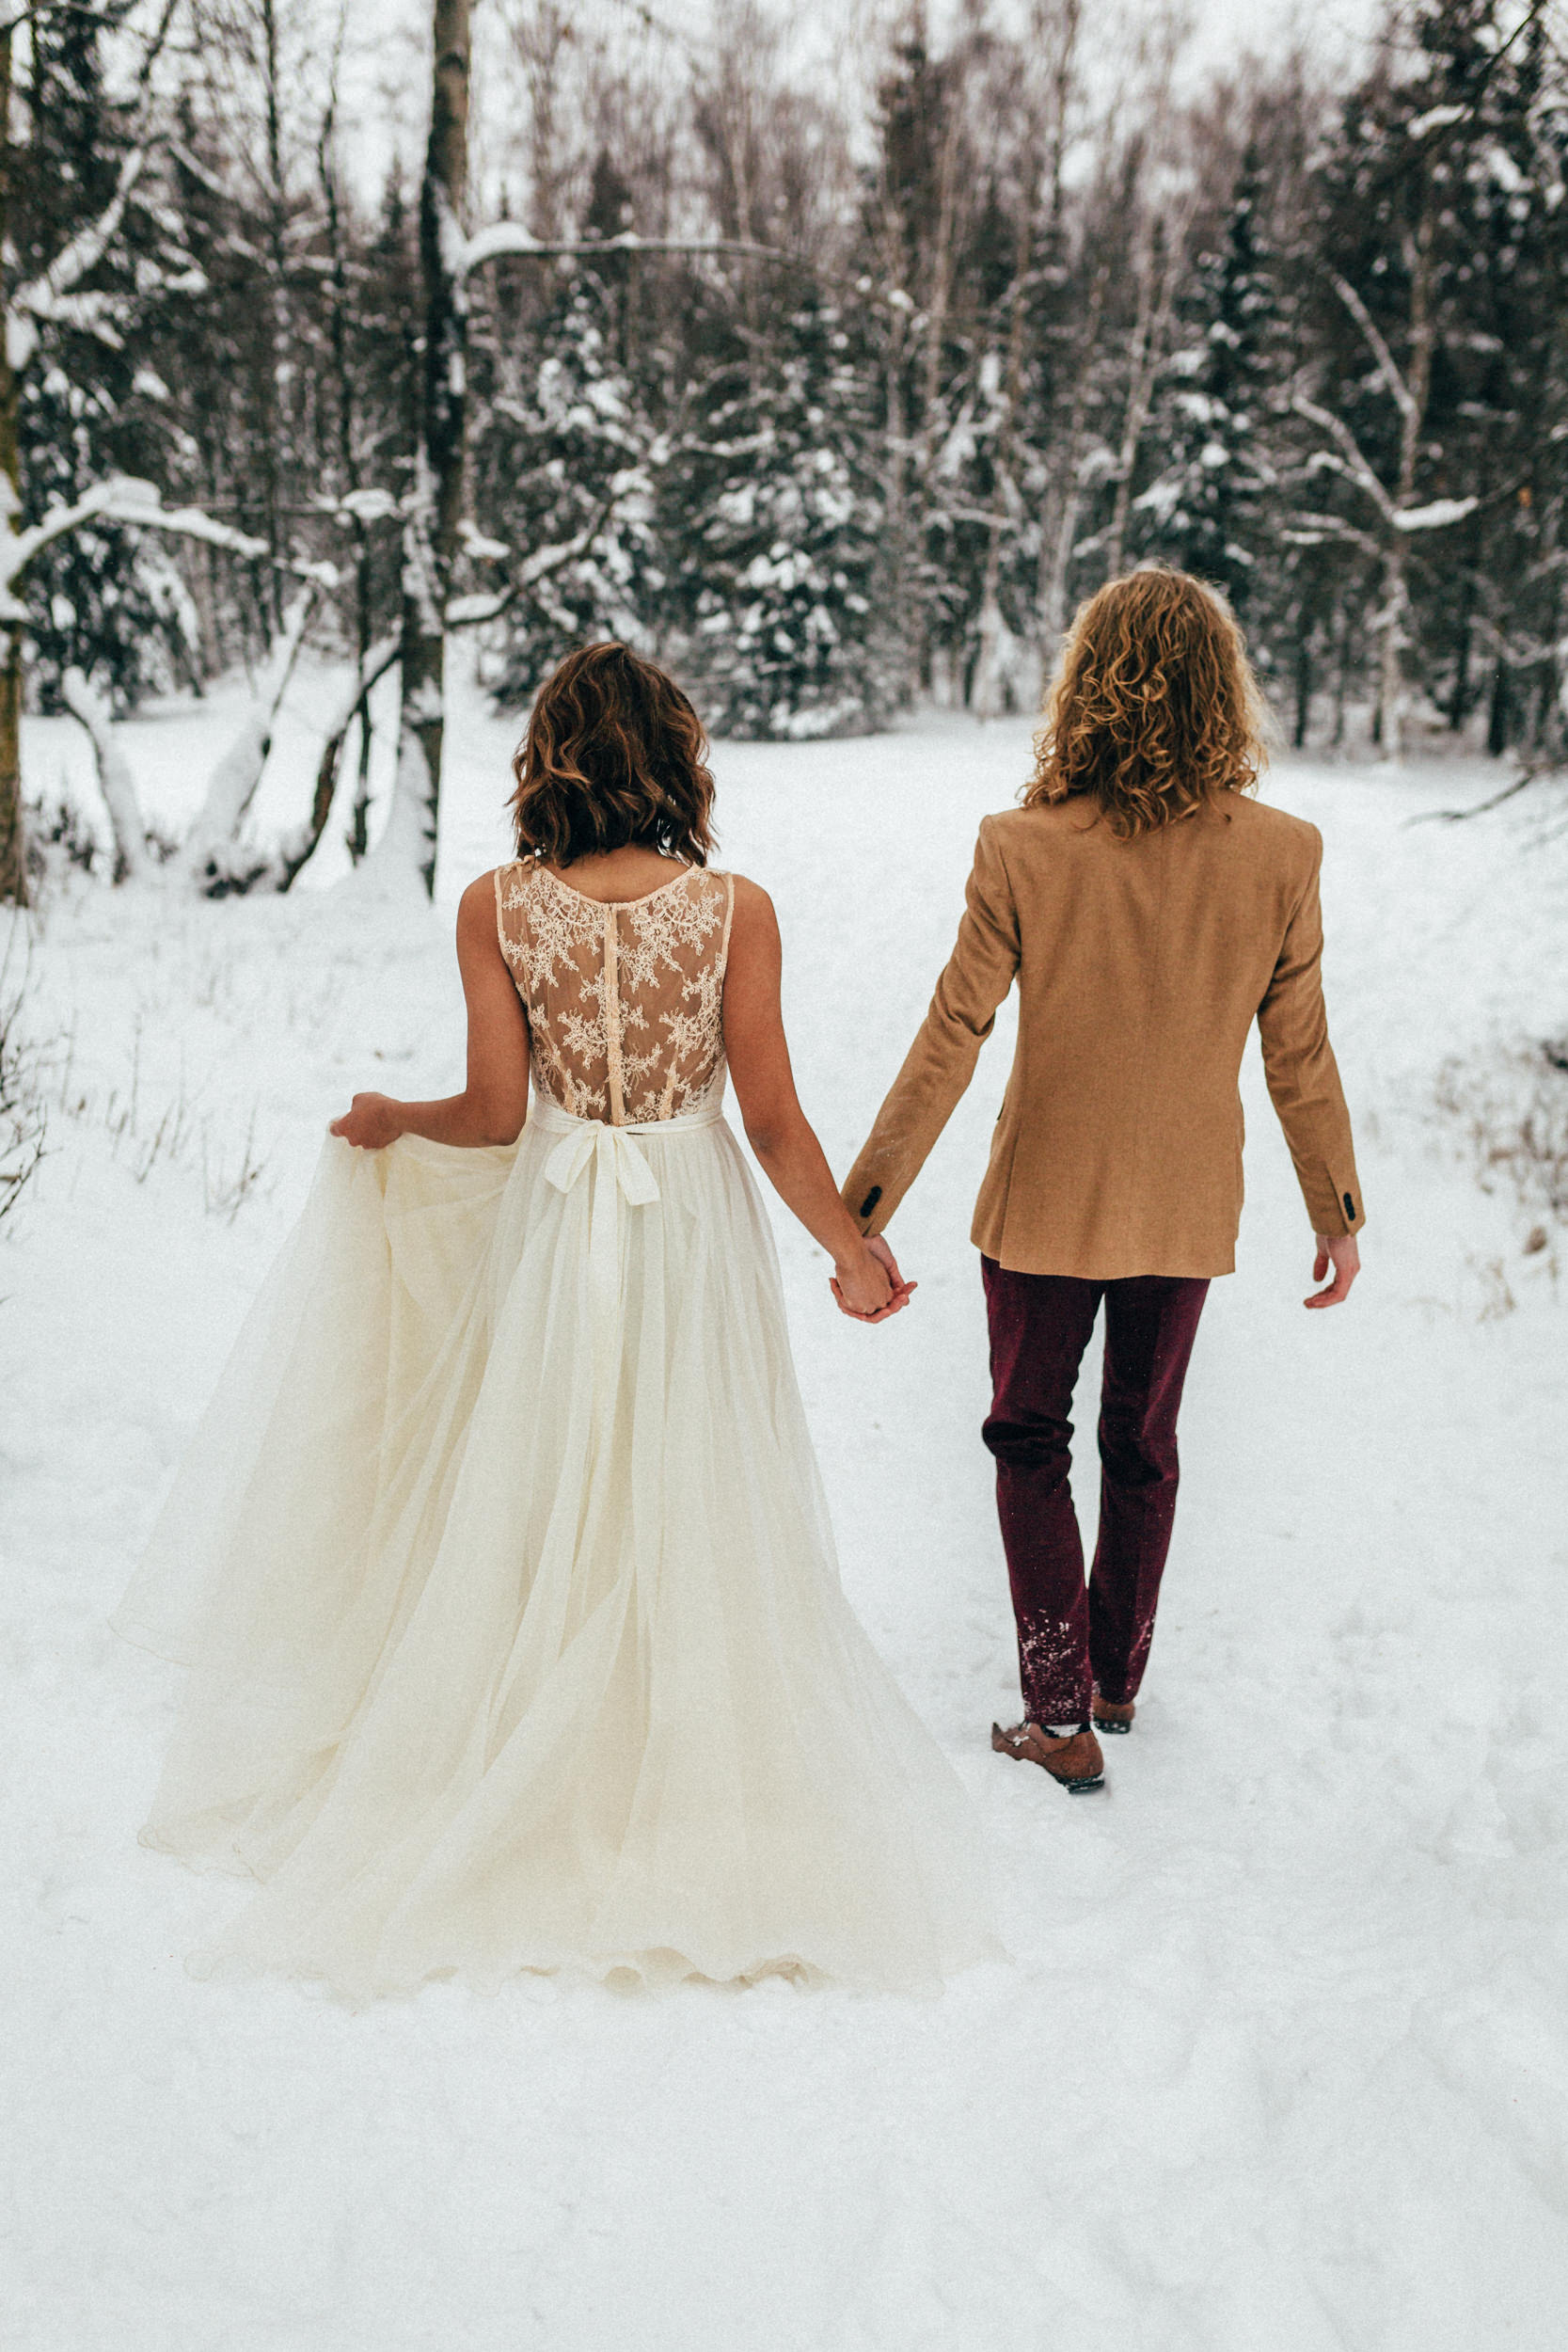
<point x="780" y="596"/>
<point x="1207" y="510"/>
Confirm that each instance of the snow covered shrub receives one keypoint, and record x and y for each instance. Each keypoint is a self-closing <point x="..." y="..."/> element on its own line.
<point x="21" y="1114"/>
<point x="58" y="842"/>
<point x="1513" y="1109"/>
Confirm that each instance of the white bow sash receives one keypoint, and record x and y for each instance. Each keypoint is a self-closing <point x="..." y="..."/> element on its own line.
<point x="621" y="1172"/>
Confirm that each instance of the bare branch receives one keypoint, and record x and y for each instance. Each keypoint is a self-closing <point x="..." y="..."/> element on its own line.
<point x="1482" y="808"/>
<point x="1312" y="531"/>
<point x="1398" y="388"/>
<point x="1355" y="464"/>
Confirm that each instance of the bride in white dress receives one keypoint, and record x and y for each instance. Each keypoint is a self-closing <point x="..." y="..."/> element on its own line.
<point x="500" y="1561"/>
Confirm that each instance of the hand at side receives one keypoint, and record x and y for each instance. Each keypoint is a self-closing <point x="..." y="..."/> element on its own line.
<point x="493" y="1103"/>
<point x="1340" y="1251"/>
<point x="371" y="1122"/>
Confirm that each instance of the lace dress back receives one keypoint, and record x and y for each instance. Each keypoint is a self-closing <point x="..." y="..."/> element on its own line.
<point x="625" y="998"/>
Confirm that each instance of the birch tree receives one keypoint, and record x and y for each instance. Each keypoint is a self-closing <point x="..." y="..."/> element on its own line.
<point x="1050" y="49"/>
<point x="434" y="509"/>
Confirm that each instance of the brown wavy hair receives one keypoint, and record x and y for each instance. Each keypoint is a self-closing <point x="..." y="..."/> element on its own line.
<point x="614" y="754"/>
<point x="1154" y="712"/>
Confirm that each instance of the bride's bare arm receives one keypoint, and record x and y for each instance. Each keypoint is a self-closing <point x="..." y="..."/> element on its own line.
<point x="776" y="1127"/>
<point x="493" y="1103"/>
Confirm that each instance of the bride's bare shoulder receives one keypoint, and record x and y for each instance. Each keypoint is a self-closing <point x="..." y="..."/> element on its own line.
<point x="477" y="909"/>
<point x="750" y="899"/>
<point x="753" y="920"/>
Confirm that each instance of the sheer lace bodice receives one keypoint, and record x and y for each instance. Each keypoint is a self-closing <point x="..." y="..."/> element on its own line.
<point x="623" y="999"/>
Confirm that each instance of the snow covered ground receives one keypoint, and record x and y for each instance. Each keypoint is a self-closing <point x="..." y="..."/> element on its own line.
<point x="1280" y="2065"/>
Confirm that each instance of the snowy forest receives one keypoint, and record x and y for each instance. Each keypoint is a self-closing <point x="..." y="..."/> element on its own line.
<point x="835" y="392"/>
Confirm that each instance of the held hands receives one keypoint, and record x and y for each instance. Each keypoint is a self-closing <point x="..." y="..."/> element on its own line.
<point x="1340" y="1251"/>
<point x="371" y="1122"/>
<point x="868" y="1285"/>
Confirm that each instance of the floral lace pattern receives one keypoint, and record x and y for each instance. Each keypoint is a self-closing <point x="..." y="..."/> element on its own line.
<point x="623" y="998"/>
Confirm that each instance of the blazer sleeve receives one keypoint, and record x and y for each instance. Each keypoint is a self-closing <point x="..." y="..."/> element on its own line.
<point x="1303" y="1076"/>
<point x="940" y="1062"/>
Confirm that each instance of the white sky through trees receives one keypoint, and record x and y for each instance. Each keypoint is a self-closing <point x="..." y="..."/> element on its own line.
<point x="386" y="74"/>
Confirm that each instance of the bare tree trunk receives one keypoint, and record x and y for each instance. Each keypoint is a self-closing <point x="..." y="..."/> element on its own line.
<point x="1459" y="693"/>
<point x="1052" y="589"/>
<point x="1063" y="72"/>
<point x="430" y="535"/>
<point x="348" y="455"/>
<point x="541" y="43"/>
<point x="1044" y="145"/>
<point x="1156" y="293"/>
<point x="1304" y="685"/>
<point x="269" y="581"/>
<point x="1393" y="693"/>
<point x="1341" y="673"/>
<point x="1497" y="710"/>
<point x="987" y="681"/>
<point x="938" y="301"/>
<point x="894" y="492"/>
<point x="13" y="858"/>
<point x="296" y="852"/>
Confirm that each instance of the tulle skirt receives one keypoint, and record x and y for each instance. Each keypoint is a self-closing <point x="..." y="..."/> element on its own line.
<point x="501" y="1566"/>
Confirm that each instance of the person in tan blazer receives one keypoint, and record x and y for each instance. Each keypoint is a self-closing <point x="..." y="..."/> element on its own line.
<point x="1148" y="912"/>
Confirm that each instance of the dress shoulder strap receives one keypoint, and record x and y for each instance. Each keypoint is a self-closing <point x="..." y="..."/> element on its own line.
<point x="509" y="898"/>
<point x="728" y="880"/>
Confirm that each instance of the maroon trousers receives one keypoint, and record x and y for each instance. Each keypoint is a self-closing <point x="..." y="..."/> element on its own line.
<point x="1069" y="1638"/>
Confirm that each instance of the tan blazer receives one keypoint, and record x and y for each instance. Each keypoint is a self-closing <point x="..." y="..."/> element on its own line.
<point x="1141" y="966"/>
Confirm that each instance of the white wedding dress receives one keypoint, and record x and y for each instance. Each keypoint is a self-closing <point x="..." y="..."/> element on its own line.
<point x="500" y="1560"/>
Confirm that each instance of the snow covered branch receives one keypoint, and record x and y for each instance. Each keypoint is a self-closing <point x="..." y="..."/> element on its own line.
<point x="121" y="501"/>
<point x="1351" y="461"/>
<point x="471" y="611"/>
<point x="115" y="780"/>
<point x="1387" y="368"/>
<point x="1435" y="515"/>
<point x="1316" y="531"/>
<point x="509" y="237"/>
<point x="44" y="297"/>
<point x="234" y="781"/>
<point x="213" y="857"/>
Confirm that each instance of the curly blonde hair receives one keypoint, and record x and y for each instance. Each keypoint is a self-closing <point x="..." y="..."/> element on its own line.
<point x="1154" y="712"/>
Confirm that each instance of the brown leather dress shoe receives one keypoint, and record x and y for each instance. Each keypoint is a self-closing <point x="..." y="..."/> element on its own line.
<point x="1108" y="1716"/>
<point x="1073" y="1760"/>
